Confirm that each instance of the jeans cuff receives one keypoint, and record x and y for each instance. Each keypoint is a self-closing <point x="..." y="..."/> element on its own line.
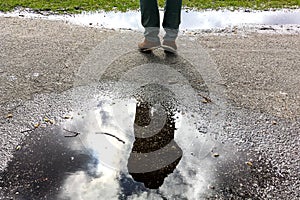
<point x="151" y="34"/>
<point x="171" y="34"/>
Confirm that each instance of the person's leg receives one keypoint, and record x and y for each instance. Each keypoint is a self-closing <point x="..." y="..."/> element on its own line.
<point x="172" y="17"/>
<point x="151" y="23"/>
<point x="171" y="22"/>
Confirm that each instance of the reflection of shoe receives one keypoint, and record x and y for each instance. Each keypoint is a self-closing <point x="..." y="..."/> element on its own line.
<point x="169" y="46"/>
<point x="148" y="45"/>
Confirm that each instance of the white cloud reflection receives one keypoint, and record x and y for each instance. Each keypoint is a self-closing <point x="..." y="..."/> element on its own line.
<point x="114" y="117"/>
<point x="190" y="179"/>
<point x="191" y="20"/>
<point x="80" y="186"/>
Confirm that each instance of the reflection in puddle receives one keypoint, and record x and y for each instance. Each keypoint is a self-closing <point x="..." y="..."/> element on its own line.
<point x="107" y="134"/>
<point x="40" y="166"/>
<point x="52" y="166"/>
<point x="155" y="154"/>
<point x="136" y="146"/>
<point x="191" y="20"/>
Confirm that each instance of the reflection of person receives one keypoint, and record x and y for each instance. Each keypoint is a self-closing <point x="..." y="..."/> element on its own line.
<point x="153" y="143"/>
<point x="151" y="23"/>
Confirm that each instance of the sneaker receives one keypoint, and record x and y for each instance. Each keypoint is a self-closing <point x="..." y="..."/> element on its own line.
<point x="169" y="46"/>
<point x="148" y="45"/>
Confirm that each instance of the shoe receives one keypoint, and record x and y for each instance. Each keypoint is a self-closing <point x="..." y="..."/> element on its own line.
<point x="169" y="46"/>
<point x="148" y="45"/>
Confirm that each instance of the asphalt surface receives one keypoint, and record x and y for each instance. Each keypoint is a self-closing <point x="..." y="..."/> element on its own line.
<point x="237" y="98"/>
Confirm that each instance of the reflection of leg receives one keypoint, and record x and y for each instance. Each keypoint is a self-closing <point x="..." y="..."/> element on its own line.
<point x="150" y="19"/>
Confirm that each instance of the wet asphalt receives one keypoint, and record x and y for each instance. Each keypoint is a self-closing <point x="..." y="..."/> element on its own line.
<point x="225" y="115"/>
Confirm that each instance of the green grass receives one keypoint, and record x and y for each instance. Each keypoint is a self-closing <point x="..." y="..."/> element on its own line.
<point x="76" y="6"/>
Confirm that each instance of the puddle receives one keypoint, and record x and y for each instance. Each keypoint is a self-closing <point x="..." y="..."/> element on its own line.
<point x="191" y="20"/>
<point x="40" y="165"/>
<point x="130" y="160"/>
<point x="103" y="153"/>
<point x="145" y="132"/>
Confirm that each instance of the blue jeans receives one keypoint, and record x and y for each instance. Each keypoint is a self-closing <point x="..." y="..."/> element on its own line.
<point x="151" y="21"/>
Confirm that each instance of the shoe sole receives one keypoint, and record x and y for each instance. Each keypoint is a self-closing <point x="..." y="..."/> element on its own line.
<point x="169" y="49"/>
<point x="149" y="49"/>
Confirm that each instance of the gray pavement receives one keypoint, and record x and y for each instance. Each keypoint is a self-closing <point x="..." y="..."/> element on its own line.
<point x="249" y="139"/>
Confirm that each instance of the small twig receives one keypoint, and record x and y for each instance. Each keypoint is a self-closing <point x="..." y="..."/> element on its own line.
<point x="120" y="140"/>
<point x="27" y="131"/>
<point x="207" y="99"/>
<point x="75" y="133"/>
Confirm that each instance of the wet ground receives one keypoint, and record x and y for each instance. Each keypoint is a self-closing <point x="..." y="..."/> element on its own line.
<point x="128" y="125"/>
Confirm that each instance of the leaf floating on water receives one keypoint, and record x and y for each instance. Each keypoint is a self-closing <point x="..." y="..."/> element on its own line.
<point x="36" y="125"/>
<point x="51" y="121"/>
<point x="67" y="117"/>
<point x="204" y="101"/>
<point x="9" y="116"/>
<point x="216" y="155"/>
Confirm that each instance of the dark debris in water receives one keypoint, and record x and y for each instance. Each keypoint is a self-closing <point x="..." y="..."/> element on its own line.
<point x="75" y="134"/>
<point x="120" y="140"/>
